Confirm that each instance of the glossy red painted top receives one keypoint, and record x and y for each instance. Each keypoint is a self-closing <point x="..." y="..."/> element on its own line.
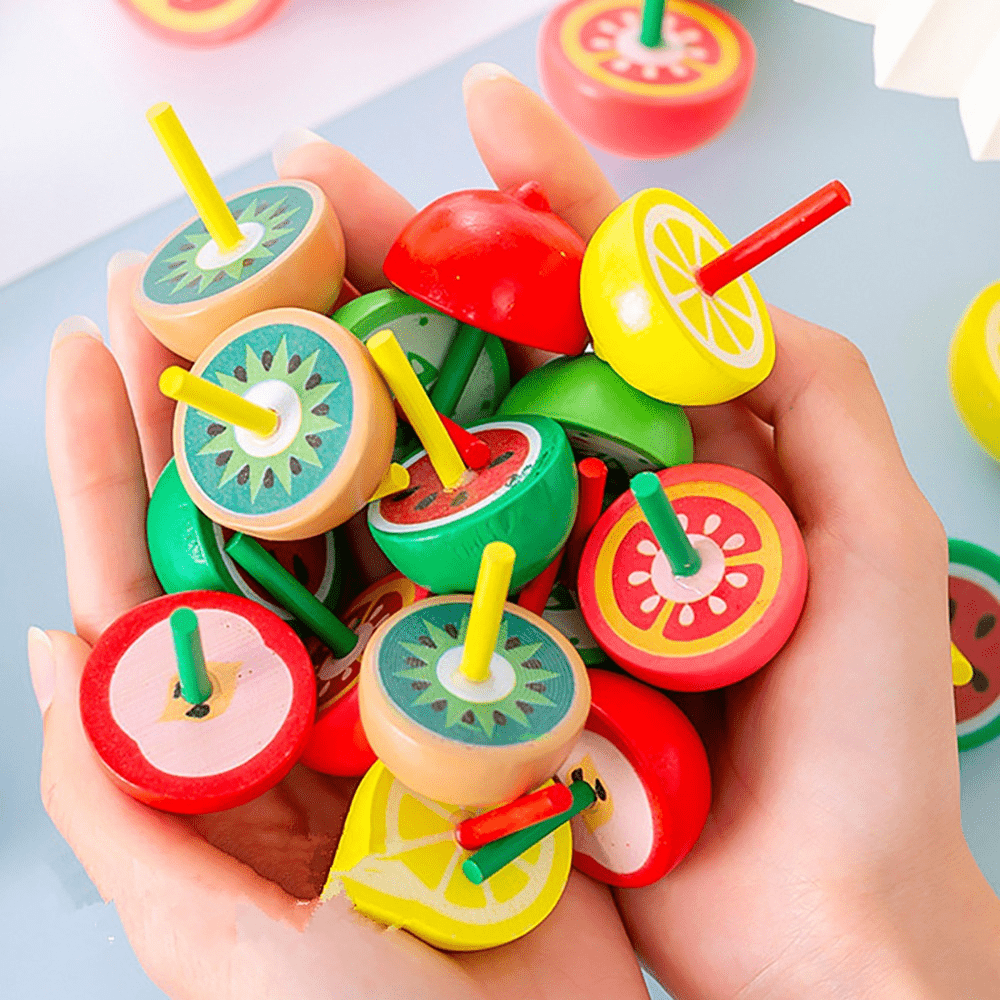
<point x="666" y="753"/>
<point x="500" y="261"/>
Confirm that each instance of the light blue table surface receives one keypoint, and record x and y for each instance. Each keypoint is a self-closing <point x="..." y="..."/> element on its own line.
<point x="894" y="273"/>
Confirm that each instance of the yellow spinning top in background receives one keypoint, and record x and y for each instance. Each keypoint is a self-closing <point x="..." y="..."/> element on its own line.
<point x="208" y="202"/>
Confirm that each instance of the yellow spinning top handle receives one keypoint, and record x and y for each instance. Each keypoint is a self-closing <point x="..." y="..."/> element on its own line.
<point x="961" y="669"/>
<point x="396" y="478"/>
<point x="495" y="569"/>
<point x="184" y="158"/>
<point x="229" y="407"/>
<point x="424" y="419"/>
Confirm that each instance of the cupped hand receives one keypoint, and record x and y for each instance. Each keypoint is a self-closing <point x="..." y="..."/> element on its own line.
<point x="833" y="862"/>
<point x="225" y="905"/>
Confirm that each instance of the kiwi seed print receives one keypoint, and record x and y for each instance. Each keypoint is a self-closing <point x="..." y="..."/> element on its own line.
<point x="532" y="684"/>
<point x="190" y="267"/>
<point x="296" y="372"/>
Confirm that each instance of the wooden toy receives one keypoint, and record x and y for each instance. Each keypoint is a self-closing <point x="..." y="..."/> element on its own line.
<point x="474" y="452"/>
<point x="201" y="23"/>
<point x="501" y="261"/>
<point x="477" y="831"/>
<point x="428" y="338"/>
<point x="277" y="244"/>
<point x="669" y="304"/>
<point x="974" y="369"/>
<point x="684" y="626"/>
<point x="650" y="772"/>
<point x="592" y="474"/>
<point x="472" y="705"/>
<point x="398" y="863"/>
<point x="335" y="432"/>
<point x="198" y="753"/>
<point x="639" y="81"/>
<point x="188" y="551"/>
<point x="605" y="417"/>
<point x="337" y="743"/>
<point x="525" y="496"/>
<point x="496" y="855"/>
<point x="974" y="610"/>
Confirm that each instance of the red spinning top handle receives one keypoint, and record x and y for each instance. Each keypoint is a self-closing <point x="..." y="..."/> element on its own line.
<point x="475" y="451"/>
<point x="775" y="236"/>
<point x="478" y="831"/>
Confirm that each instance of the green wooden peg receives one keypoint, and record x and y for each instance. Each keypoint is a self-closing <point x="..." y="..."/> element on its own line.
<point x="290" y="594"/>
<point x="681" y="554"/>
<point x="195" y="685"/>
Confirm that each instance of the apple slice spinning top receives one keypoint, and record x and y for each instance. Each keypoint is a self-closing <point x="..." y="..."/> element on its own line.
<point x="199" y="701"/>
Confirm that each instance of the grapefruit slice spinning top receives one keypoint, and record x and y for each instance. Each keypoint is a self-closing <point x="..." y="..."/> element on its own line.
<point x="721" y="624"/>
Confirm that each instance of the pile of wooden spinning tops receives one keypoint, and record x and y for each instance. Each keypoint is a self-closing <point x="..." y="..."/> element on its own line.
<point x="501" y="738"/>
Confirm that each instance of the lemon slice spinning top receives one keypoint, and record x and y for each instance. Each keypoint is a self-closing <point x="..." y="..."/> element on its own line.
<point x="399" y="863"/>
<point x="669" y="303"/>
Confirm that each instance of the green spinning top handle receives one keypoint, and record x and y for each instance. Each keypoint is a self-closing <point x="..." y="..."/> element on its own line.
<point x="490" y="859"/>
<point x="195" y="685"/>
<point x="290" y="594"/>
<point x="651" y="34"/>
<point x="667" y="530"/>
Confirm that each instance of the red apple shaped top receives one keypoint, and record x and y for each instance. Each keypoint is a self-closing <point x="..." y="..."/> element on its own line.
<point x="501" y="261"/>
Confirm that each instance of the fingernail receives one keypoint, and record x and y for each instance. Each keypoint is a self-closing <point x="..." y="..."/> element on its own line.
<point x="123" y="259"/>
<point x="291" y="141"/>
<point x="483" y="71"/>
<point x="42" y="664"/>
<point x="74" y="325"/>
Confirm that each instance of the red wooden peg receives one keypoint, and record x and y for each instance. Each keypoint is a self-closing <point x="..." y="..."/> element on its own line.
<point x="474" y="833"/>
<point x="593" y="474"/>
<point x="535" y="594"/>
<point x="475" y="451"/>
<point x="775" y="236"/>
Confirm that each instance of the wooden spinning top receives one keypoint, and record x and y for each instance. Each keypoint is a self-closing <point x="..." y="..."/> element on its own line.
<point x="472" y="705"/>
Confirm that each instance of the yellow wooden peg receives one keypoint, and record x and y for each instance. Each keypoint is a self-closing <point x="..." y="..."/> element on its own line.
<point x="229" y="407"/>
<point x="495" y="569"/>
<point x="961" y="669"/>
<point x="416" y="404"/>
<point x="395" y="479"/>
<point x="208" y="203"/>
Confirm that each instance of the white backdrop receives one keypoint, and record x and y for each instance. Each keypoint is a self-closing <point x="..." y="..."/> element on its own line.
<point x="77" y="158"/>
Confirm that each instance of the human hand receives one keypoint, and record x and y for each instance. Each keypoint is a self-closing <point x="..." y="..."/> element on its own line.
<point x="833" y="861"/>
<point x="225" y="905"/>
